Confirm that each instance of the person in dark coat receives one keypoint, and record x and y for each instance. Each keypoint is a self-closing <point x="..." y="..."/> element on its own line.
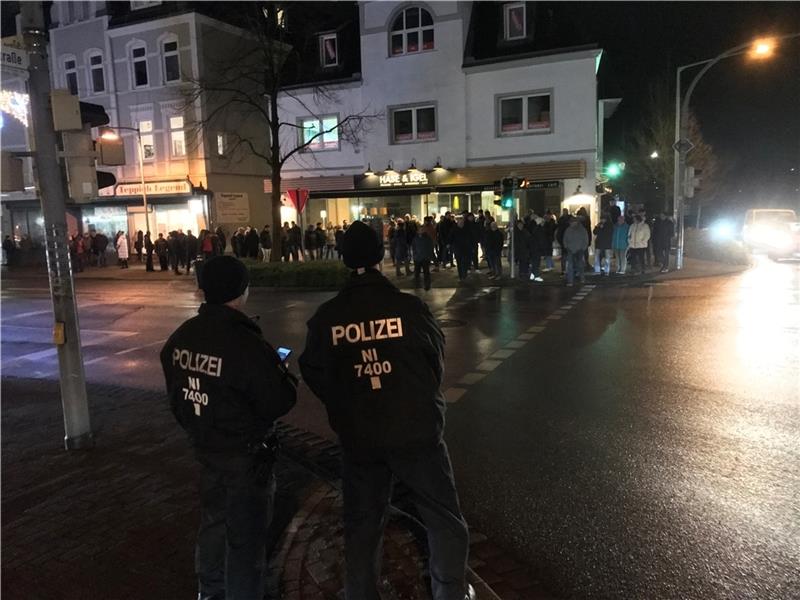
<point x="311" y="243"/>
<point x="550" y="233"/>
<point x="320" y="241"/>
<point x="401" y="249"/>
<point x="227" y="386"/>
<point x="251" y="243"/>
<point x="586" y="221"/>
<point x="221" y="241"/>
<point x="338" y="235"/>
<point x="10" y="249"/>
<point x="444" y="229"/>
<point x="148" y="251"/>
<point x="662" y="240"/>
<point x="423" y="255"/>
<point x="390" y="231"/>
<point x="138" y="245"/>
<point x="173" y="251"/>
<point x="265" y="239"/>
<point x="192" y="249"/>
<point x="162" y="251"/>
<point x="295" y="235"/>
<point x="522" y="249"/>
<point x="539" y="246"/>
<point x="494" y="250"/>
<point x="477" y="235"/>
<point x="603" y="238"/>
<point x="461" y="242"/>
<point x="561" y="227"/>
<point x="375" y="357"/>
<point x="99" y="245"/>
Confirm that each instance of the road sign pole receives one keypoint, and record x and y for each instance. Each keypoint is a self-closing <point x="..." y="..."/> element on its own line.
<point x="50" y="184"/>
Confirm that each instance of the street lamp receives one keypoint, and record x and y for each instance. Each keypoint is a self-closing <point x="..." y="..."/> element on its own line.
<point x="654" y="154"/>
<point x="759" y="49"/>
<point x="111" y="134"/>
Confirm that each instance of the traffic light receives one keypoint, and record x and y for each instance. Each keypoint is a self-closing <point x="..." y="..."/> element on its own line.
<point x="691" y="182"/>
<point x="75" y="120"/>
<point x="506" y="200"/>
<point x="614" y="170"/>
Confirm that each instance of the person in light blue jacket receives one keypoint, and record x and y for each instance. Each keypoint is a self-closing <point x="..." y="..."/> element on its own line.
<point x="619" y="244"/>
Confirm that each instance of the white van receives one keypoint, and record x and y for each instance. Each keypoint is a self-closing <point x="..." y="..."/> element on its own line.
<point x="775" y="230"/>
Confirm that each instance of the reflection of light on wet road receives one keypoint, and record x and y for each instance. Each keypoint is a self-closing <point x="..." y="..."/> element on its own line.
<point x="768" y="319"/>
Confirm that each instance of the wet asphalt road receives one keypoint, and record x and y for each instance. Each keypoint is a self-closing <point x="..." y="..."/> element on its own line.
<point x="626" y="442"/>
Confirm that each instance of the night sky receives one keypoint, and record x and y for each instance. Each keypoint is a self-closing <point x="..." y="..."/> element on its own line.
<point x="749" y="112"/>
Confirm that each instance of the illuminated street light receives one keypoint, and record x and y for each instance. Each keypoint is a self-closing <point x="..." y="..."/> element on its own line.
<point x="762" y="48"/>
<point x="654" y="154"/>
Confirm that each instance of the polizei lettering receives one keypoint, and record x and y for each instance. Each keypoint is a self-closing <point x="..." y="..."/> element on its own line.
<point x="197" y="363"/>
<point x="367" y="331"/>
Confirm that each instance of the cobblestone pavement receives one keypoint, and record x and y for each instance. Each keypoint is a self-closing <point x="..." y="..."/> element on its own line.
<point x="119" y="521"/>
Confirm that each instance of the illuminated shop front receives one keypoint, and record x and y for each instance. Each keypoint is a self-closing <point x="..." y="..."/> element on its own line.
<point x="398" y="193"/>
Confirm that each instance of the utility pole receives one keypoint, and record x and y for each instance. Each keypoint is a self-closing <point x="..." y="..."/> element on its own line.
<point x="50" y="184"/>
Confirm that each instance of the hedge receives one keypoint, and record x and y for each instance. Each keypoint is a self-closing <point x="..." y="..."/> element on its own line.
<point x="328" y="274"/>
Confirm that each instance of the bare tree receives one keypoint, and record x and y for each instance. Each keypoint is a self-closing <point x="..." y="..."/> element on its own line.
<point x="657" y="133"/>
<point x="244" y="93"/>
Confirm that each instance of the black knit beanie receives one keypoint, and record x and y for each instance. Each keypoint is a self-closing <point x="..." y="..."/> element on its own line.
<point x="361" y="246"/>
<point x="223" y="278"/>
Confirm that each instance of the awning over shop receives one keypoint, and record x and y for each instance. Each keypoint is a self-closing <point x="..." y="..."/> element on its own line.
<point x="313" y="184"/>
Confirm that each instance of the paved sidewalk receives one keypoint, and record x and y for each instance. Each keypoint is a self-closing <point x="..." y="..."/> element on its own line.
<point x="119" y="521"/>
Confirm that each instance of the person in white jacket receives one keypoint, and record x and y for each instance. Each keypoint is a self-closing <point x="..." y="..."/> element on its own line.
<point x="638" y="237"/>
<point x="123" y="251"/>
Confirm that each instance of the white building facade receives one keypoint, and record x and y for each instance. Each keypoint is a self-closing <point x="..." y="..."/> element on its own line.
<point x="454" y="118"/>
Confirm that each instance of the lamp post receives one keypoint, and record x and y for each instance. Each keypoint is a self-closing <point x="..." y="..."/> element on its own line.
<point x="682" y="146"/>
<point x="110" y="134"/>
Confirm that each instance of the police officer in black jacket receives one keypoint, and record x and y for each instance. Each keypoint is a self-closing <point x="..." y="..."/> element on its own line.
<point x="375" y="357"/>
<point x="227" y="386"/>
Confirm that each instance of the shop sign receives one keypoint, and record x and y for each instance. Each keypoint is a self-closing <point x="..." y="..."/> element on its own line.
<point x="156" y="188"/>
<point x="403" y="179"/>
<point x="232" y="207"/>
<point x="544" y="185"/>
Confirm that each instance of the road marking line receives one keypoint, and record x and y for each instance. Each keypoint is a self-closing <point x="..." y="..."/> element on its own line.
<point x="53" y="351"/>
<point x="135" y="348"/>
<point x="488" y="365"/>
<point x="453" y="394"/>
<point x="471" y="378"/>
<point x="502" y="354"/>
<point x="536" y="329"/>
<point x="526" y="336"/>
<point x="515" y="344"/>
<point x="553" y="317"/>
<point x="561" y="311"/>
<point x="95" y="360"/>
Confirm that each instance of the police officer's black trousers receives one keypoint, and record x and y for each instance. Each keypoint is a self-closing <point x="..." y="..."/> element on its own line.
<point x="367" y="485"/>
<point x="230" y="557"/>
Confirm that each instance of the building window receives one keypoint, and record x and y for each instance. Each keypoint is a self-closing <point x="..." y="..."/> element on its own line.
<point x="139" y="4"/>
<point x="139" y="59"/>
<point x="148" y="148"/>
<point x="412" y="31"/>
<point x="529" y="113"/>
<point x="176" y="136"/>
<point x="514" y="20"/>
<point x="96" y="73"/>
<point x="172" y="63"/>
<point x="221" y="145"/>
<point x="328" y="50"/>
<point x="413" y="124"/>
<point x="71" y="75"/>
<point x="320" y="133"/>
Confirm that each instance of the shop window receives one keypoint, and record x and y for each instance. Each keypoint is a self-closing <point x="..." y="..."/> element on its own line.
<point x="329" y="51"/>
<point x="524" y="114"/>
<point x="177" y="136"/>
<point x="139" y="62"/>
<point x="514" y="21"/>
<point x="171" y="58"/>
<point x="320" y="133"/>
<point x="413" y="124"/>
<point x="71" y="75"/>
<point x="97" y="75"/>
<point x="412" y="31"/>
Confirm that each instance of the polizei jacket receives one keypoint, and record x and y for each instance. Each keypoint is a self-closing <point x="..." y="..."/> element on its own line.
<point x="226" y="384"/>
<point x="375" y="357"/>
